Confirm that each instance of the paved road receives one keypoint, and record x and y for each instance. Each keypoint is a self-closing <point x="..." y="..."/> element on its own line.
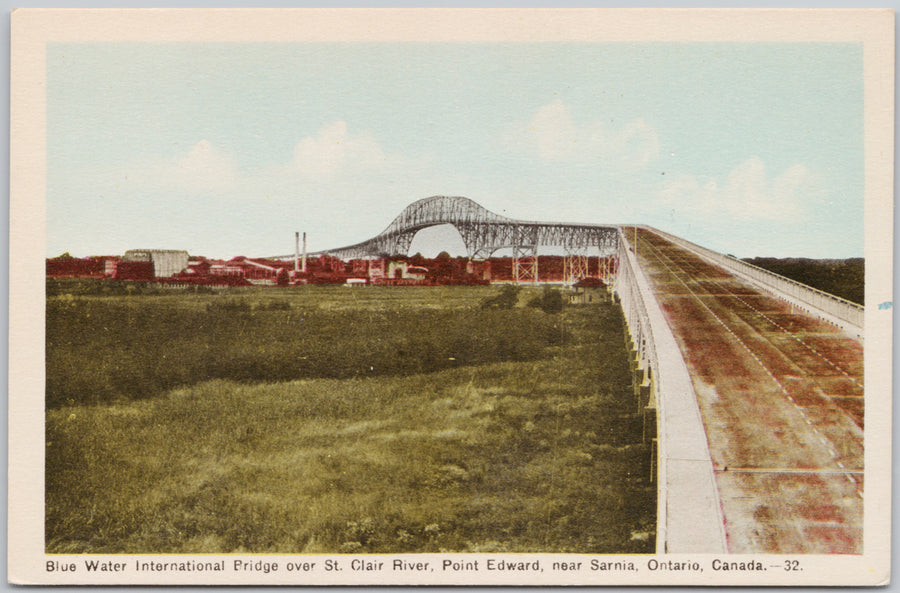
<point x="781" y="396"/>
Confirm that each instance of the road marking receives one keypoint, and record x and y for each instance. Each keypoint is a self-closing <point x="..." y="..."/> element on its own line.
<point x="656" y="252"/>
<point x="791" y="334"/>
<point x="732" y="294"/>
<point x="790" y="470"/>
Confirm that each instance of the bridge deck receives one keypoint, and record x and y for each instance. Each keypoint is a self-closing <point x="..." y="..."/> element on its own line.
<point x="781" y="395"/>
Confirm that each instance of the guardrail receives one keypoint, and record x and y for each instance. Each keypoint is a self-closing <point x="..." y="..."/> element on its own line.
<point x="840" y="311"/>
<point x="634" y="308"/>
<point x="689" y="513"/>
<point x="645" y="367"/>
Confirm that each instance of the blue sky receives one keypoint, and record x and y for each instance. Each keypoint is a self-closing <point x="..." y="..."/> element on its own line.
<point x="227" y="149"/>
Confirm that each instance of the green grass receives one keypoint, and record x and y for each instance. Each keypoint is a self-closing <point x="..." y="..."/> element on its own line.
<point x="108" y="349"/>
<point x="538" y="452"/>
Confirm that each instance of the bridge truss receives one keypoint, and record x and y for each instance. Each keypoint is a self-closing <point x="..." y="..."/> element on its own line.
<point x="484" y="232"/>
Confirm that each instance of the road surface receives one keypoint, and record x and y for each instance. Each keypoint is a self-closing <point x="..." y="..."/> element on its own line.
<point x="781" y="396"/>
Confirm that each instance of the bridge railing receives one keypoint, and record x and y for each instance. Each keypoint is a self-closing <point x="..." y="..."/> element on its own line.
<point x="645" y="367"/>
<point x="847" y="314"/>
<point x="635" y="310"/>
<point x="689" y="513"/>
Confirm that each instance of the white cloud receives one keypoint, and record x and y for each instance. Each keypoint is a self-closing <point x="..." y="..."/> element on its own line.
<point x="339" y="185"/>
<point x="553" y="135"/>
<point x="335" y="151"/>
<point x="202" y="169"/>
<point x="792" y="185"/>
<point x="747" y="193"/>
<point x="331" y="157"/>
<point x="337" y="162"/>
<point x="553" y="132"/>
<point x="629" y="148"/>
<point x="205" y="168"/>
<point x="339" y="174"/>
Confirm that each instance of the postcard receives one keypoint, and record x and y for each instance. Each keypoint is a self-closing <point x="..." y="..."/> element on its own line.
<point x="451" y="296"/>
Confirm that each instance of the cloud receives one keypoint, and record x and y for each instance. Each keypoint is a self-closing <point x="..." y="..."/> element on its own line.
<point x="629" y="148"/>
<point x="792" y="185"/>
<point x="332" y="156"/>
<point x="337" y="184"/>
<point x="553" y="132"/>
<point x="554" y="137"/>
<point x="746" y="193"/>
<point x="334" y="151"/>
<point x="339" y="173"/>
<point x="337" y="162"/>
<point x="202" y="169"/>
<point x="205" y="168"/>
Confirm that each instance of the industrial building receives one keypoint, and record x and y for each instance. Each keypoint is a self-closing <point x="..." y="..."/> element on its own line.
<point x="166" y="262"/>
<point x="177" y="267"/>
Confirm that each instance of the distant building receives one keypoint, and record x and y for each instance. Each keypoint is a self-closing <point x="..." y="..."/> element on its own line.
<point x="416" y="272"/>
<point x="166" y="262"/>
<point x="141" y="271"/>
<point x="387" y="271"/>
<point x="68" y="266"/>
<point x="479" y="268"/>
<point x="376" y="269"/>
<point x="402" y="270"/>
<point x="587" y="291"/>
<point x="226" y="269"/>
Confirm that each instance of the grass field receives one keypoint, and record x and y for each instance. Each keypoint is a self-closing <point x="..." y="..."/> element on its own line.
<point x="424" y="423"/>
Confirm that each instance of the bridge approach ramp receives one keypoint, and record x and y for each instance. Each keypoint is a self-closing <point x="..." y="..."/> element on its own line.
<point x="780" y="396"/>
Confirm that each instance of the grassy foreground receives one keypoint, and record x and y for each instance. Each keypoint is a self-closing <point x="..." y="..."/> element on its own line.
<point x="541" y="454"/>
<point x="113" y="349"/>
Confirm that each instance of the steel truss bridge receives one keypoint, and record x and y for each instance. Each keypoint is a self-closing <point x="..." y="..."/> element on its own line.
<point x="484" y="232"/>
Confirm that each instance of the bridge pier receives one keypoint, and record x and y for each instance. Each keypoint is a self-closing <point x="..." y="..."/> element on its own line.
<point x="575" y="267"/>
<point x="639" y="375"/>
<point x="650" y="427"/>
<point x="525" y="264"/>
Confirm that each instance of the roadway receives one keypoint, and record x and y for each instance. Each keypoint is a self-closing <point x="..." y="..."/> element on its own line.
<point x="781" y="398"/>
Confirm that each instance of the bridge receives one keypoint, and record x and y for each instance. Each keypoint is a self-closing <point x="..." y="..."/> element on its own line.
<point x="483" y="232"/>
<point x="751" y="384"/>
<point x="754" y="388"/>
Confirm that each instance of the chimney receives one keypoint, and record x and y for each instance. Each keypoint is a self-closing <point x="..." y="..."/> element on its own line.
<point x="304" y="253"/>
<point x="296" y="252"/>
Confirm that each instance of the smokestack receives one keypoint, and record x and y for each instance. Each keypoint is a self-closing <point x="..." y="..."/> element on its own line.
<point x="296" y="252"/>
<point x="304" y="252"/>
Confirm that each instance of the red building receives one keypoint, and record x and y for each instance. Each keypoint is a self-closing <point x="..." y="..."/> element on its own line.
<point x="88" y="267"/>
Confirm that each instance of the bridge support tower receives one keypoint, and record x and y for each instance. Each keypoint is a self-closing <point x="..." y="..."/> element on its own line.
<point x="525" y="265"/>
<point x="575" y="267"/>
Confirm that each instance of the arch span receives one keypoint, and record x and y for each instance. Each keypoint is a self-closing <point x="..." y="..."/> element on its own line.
<point x="483" y="232"/>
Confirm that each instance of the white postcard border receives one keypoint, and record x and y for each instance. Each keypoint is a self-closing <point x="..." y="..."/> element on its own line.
<point x="33" y="28"/>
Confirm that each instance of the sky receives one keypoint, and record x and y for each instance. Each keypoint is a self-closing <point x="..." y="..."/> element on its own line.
<point x="228" y="149"/>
